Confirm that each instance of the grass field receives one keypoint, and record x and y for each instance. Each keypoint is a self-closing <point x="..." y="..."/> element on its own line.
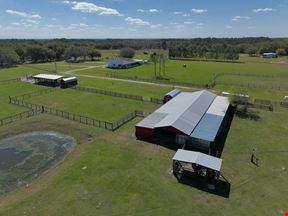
<point x="124" y="87"/>
<point x="195" y="72"/>
<point x="101" y="107"/>
<point x="16" y="72"/>
<point x="112" y="173"/>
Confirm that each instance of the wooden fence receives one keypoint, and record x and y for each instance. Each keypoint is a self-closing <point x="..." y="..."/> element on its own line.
<point x="18" y="117"/>
<point x="4" y="82"/>
<point x="284" y="104"/>
<point x="37" y="108"/>
<point x="161" y="81"/>
<point x="33" y="94"/>
<point x="117" y="94"/>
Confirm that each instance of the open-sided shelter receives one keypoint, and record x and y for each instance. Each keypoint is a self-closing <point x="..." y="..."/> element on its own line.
<point x="47" y="79"/>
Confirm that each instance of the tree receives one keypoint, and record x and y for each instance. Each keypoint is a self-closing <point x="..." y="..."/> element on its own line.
<point x="8" y="58"/>
<point x="21" y="54"/>
<point x="127" y="53"/>
<point x="93" y="53"/>
<point x="37" y="53"/>
<point x="74" y="53"/>
<point x="281" y="52"/>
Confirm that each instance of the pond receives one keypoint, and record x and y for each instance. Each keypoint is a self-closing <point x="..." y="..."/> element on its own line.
<point x="25" y="156"/>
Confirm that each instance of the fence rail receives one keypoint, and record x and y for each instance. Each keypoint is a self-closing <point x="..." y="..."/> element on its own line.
<point x="161" y="81"/>
<point x="252" y="85"/>
<point x="261" y="106"/>
<point x="117" y="94"/>
<point x="3" y="82"/>
<point x="263" y="102"/>
<point x="284" y="104"/>
<point x="18" y="117"/>
<point x="33" y="94"/>
<point x="37" y="108"/>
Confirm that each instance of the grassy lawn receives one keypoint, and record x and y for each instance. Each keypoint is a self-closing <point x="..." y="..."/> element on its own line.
<point x="269" y="94"/>
<point x="7" y="110"/>
<point x="92" y="105"/>
<point x="12" y="73"/>
<point x="112" y="173"/>
<point x="124" y="176"/>
<point x="14" y="89"/>
<point x="195" y="72"/>
<point x="124" y="87"/>
<point x="18" y="88"/>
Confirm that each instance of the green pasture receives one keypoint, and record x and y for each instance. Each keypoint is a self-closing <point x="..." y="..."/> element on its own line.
<point x="101" y="107"/>
<point x="247" y="58"/>
<point x="118" y="175"/>
<point x="16" y="72"/>
<point x="146" y="90"/>
<point x="12" y="90"/>
<point x="112" y="173"/>
<point x="195" y="72"/>
<point x="18" y="88"/>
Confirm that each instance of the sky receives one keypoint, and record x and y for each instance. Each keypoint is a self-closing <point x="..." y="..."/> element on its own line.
<point x="43" y="19"/>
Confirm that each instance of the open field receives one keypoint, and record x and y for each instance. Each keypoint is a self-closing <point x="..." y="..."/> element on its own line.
<point x="195" y="72"/>
<point x="124" y="176"/>
<point x="124" y="87"/>
<point x="101" y="107"/>
<point x="112" y="173"/>
<point x="16" y="72"/>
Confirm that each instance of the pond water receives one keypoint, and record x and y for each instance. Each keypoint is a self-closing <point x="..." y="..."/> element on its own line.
<point x="25" y="156"/>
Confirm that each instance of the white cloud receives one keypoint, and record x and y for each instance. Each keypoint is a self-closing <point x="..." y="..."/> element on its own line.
<point x="178" y="12"/>
<point x="152" y="10"/>
<point x="66" y="2"/>
<point x="36" y="22"/>
<point x="156" y="26"/>
<point x="188" y="23"/>
<point x="237" y="18"/>
<point x="263" y="10"/>
<point x="186" y="15"/>
<point x="92" y="8"/>
<point x="199" y="11"/>
<point x="23" y="14"/>
<point x="136" y="21"/>
<point x="228" y="26"/>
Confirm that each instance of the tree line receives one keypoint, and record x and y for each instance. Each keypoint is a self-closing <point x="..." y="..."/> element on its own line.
<point x="13" y="51"/>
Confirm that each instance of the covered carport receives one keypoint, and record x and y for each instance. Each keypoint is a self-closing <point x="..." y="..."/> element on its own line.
<point x="197" y="163"/>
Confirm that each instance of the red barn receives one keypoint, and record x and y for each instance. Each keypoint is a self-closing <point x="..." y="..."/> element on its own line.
<point x="189" y="118"/>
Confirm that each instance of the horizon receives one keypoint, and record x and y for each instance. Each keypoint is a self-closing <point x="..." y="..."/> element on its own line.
<point x="142" y="19"/>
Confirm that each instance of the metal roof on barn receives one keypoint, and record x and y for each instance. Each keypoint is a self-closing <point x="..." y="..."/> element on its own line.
<point x="198" y="114"/>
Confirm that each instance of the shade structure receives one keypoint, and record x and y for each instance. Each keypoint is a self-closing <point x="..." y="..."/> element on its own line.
<point x="199" y="158"/>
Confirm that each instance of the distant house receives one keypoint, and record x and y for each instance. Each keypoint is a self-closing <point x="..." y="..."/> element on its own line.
<point x="269" y="55"/>
<point x="124" y="63"/>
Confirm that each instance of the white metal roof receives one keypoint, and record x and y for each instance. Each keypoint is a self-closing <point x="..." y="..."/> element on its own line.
<point x="151" y="120"/>
<point x="198" y="158"/>
<point x="183" y="112"/>
<point x="69" y="78"/>
<point x="47" y="76"/>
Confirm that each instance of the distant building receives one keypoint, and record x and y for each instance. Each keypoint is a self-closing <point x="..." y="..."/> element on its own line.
<point x="48" y="79"/>
<point x="269" y="55"/>
<point x="124" y="63"/>
<point x="68" y="82"/>
<point x="55" y="80"/>
<point x="190" y="119"/>
<point x="170" y="95"/>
